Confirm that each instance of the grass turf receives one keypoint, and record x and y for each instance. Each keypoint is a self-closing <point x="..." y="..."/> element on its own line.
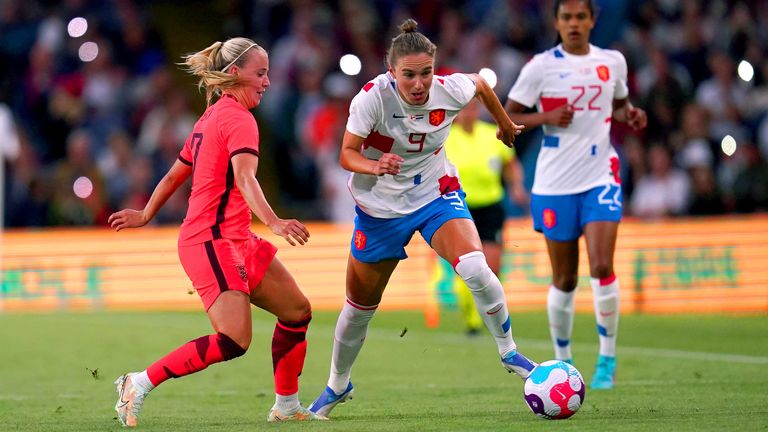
<point x="684" y="372"/>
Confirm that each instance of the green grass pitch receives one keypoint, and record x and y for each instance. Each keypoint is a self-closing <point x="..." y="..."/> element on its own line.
<point x="675" y="373"/>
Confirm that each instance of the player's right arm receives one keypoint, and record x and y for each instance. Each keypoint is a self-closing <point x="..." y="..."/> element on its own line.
<point x="364" y="113"/>
<point x="526" y="92"/>
<point x="130" y="218"/>
<point x="561" y="116"/>
<point x="351" y="158"/>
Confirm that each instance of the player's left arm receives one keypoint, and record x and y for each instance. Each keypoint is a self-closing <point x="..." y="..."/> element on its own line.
<point x="625" y="112"/>
<point x="508" y="130"/>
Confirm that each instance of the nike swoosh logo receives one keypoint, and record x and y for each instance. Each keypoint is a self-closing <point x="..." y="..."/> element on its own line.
<point x="397" y="116"/>
<point x="607" y="314"/>
<point x="564" y="75"/>
<point x="493" y="311"/>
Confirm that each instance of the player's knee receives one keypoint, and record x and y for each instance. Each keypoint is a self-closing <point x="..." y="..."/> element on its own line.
<point x="601" y="270"/>
<point x="473" y="269"/>
<point x="231" y="349"/>
<point x="566" y="282"/>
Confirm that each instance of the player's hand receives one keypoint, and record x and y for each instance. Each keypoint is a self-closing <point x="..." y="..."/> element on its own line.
<point x="561" y="116"/>
<point x="388" y="163"/>
<point x="508" y="133"/>
<point x="291" y="230"/>
<point x="519" y="195"/>
<point x="636" y="118"/>
<point x="127" y="218"/>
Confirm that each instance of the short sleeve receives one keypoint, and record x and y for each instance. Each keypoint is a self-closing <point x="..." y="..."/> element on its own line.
<point x="620" y="90"/>
<point x="460" y="87"/>
<point x="364" y="111"/>
<point x="527" y="88"/>
<point x="240" y="133"/>
<point x="185" y="155"/>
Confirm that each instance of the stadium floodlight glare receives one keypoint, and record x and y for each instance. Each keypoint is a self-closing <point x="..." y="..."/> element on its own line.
<point x="728" y="145"/>
<point x="350" y="64"/>
<point x="88" y="52"/>
<point x="77" y="27"/>
<point x="83" y="187"/>
<point x="746" y="71"/>
<point x="489" y="75"/>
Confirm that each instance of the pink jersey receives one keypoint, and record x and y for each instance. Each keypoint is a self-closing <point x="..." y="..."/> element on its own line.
<point x="578" y="157"/>
<point x="216" y="207"/>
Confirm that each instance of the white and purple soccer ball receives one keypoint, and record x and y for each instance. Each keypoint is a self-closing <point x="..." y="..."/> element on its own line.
<point x="554" y="390"/>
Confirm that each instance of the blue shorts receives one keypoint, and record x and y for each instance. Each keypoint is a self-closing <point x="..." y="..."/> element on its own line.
<point x="562" y="217"/>
<point x="377" y="239"/>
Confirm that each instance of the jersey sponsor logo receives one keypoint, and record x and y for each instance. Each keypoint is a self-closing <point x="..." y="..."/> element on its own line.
<point x="603" y="73"/>
<point x="436" y="117"/>
<point x="360" y="240"/>
<point x="549" y="217"/>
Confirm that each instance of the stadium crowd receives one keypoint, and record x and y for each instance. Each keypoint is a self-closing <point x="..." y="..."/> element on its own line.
<point x="119" y="118"/>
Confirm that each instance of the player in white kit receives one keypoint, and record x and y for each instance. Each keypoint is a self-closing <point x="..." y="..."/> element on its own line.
<point x="403" y="183"/>
<point x="578" y="90"/>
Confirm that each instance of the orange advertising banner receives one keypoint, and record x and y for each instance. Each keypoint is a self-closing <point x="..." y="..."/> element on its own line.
<point x="680" y="265"/>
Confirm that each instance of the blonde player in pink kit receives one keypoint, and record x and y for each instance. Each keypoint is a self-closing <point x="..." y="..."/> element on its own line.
<point x="578" y="89"/>
<point x="403" y="183"/>
<point x="230" y="267"/>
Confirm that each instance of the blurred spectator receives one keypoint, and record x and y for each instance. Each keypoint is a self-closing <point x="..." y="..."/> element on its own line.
<point x="664" y="190"/>
<point x="663" y="86"/>
<point x="89" y="207"/>
<point x="750" y="187"/>
<point x="705" y="195"/>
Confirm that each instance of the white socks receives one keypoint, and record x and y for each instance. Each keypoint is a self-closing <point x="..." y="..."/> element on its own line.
<point x="141" y="381"/>
<point x="351" y="329"/>
<point x="606" y="297"/>
<point x="287" y="405"/>
<point x="489" y="298"/>
<point x="560" y="310"/>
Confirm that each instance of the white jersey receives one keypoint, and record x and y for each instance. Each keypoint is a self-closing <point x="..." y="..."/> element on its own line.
<point x="414" y="132"/>
<point x="579" y="157"/>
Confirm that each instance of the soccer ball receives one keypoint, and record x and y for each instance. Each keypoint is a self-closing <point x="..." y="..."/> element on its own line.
<point x="554" y="390"/>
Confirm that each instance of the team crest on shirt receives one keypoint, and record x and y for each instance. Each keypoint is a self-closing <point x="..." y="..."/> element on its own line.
<point x="549" y="217"/>
<point x="436" y="117"/>
<point x="243" y="273"/>
<point x="603" y="73"/>
<point x="360" y="240"/>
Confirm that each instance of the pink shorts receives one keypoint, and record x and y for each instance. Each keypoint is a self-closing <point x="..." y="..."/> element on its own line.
<point x="220" y="265"/>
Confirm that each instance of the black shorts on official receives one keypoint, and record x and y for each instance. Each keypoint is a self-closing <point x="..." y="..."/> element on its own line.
<point x="489" y="221"/>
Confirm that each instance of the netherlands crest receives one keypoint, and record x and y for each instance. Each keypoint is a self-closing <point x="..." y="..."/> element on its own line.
<point x="436" y="117"/>
<point x="549" y="218"/>
<point x="360" y="240"/>
<point x="603" y="73"/>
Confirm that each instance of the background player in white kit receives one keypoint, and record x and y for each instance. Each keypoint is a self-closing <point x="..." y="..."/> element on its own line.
<point x="578" y="89"/>
<point x="403" y="183"/>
